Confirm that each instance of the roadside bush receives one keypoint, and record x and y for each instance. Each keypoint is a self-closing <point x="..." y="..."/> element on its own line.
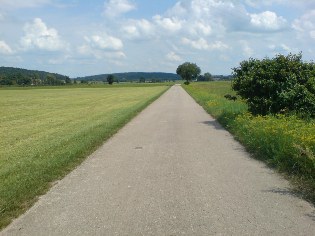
<point x="284" y="84"/>
<point x="284" y="142"/>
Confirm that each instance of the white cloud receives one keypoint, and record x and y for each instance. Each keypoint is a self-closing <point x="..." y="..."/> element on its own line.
<point x="131" y="31"/>
<point x="170" y="24"/>
<point x="301" y="4"/>
<point x="5" y="48"/>
<point x="173" y="27"/>
<point x="114" y="8"/>
<point x="89" y="51"/>
<point x="179" y="9"/>
<point x="202" y="44"/>
<point x="172" y="56"/>
<point x="200" y="27"/>
<point x="204" y="31"/>
<point x="285" y="47"/>
<point x="102" y="46"/>
<point x="305" y="25"/>
<point x="197" y="22"/>
<point x="39" y="36"/>
<point x="105" y="42"/>
<point x="218" y="45"/>
<point x="247" y="50"/>
<point x="282" y="48"/>
<point x="201" y="17"/>
<point x="227" y="16"/>
<point x="268" y="20"/>
<point x="258" y="3"/>
<point x="138" y="29"/>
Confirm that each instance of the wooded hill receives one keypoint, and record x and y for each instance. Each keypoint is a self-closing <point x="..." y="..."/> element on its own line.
<point x="18" y="76"/>
<point x="24" y="77"/>
<point x="133" y="76"/>
<point x="146" y="77"/>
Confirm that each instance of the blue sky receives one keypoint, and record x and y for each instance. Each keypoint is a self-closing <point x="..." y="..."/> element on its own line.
<point x="79" y="37"/>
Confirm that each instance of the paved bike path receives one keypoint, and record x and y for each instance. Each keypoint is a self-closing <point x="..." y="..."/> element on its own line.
<point x="171" y="171"/>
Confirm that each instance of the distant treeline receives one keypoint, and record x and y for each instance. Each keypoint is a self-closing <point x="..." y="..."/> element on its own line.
<point x="223" y="77"/>
<point x="23" y="77"/>
<point x="146" y="77"/>
<point x="133" y="76"/>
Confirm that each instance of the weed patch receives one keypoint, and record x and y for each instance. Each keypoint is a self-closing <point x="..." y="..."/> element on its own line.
<point x="286" y="143"/>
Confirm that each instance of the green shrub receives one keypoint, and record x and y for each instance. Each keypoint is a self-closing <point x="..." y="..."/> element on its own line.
<point x="284" y="84"/>
<point x="284" y="142"/>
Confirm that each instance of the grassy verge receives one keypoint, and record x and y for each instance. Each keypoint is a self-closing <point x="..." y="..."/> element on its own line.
<point x="286" y="143"/>
<point x="45" y="133"/>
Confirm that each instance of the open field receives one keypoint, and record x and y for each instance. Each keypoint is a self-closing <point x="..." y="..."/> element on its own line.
<point x="171" y="171"/>
<point x="91" y="85"/>
<point x="284" y="142"/>
<point x="45" y="133"/>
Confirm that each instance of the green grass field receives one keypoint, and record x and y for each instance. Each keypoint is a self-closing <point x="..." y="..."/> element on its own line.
<point x="45" y="133"/>
<point x="284" y="142"/>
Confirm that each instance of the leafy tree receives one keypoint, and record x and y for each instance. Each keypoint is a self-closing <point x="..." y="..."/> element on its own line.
<point x="142" y="80"/>
<point x="188" y="71"/>
<point x="18" y="76"/>
<point x="279" y="85"/>
<point x="5" y="81"/>
<point x="110" y="79"/>
<point x="206" y="77"/>
<point x="50" y="80"/>
<point x="68" y="80"/>
<point x="23" y="79"/>
<point x="36" y="79"/>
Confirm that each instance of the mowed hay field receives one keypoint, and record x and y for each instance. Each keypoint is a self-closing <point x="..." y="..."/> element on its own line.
<point x="45" y="133"/>
<point x="284" y="142"/>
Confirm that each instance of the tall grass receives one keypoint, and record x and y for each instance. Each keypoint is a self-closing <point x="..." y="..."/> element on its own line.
<point x="45" y="133"/>
<point x="284" y="142"/>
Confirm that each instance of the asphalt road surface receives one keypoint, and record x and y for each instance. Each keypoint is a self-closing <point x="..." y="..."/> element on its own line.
<point x="172" y="170"/>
